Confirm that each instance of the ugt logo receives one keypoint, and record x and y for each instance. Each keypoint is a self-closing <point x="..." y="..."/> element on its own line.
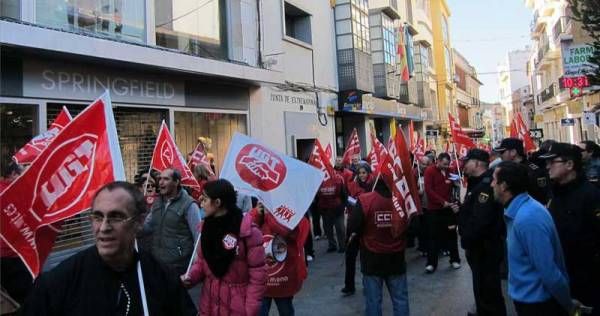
<point x="260" y="167"/>
<point x="166" y="154"/>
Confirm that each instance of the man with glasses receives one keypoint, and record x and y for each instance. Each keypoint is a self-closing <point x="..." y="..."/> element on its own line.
<point x="104" y="279"/>
<point x="575" y="208"/>
<point x="173" y="221"/>
<point x="511" y="149"/>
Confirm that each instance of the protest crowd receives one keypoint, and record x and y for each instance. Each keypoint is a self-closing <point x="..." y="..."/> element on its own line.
<point x="527" y="215"/>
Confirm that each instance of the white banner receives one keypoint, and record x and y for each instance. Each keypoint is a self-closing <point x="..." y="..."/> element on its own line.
<point x="285" y="185"/>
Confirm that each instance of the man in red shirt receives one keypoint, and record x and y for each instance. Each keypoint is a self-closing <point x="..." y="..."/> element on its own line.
<point x="439" y="218"/>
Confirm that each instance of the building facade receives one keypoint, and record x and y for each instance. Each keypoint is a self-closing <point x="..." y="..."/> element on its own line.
<point x="443" y="62"/>
<point x="369" y="36"/>
<point x="560" y="50"/>
<point x="254" y="67"/>
<point x="468" y="104"/>
<point x="425" y="72"/>
<point x="512" y="76"/>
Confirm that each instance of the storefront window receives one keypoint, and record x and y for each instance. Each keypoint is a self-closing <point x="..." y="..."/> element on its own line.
<point x="196" y="27"/>
<point x="10" y="9"/>
<point x="215" y="129"/>
<point x="18" y="125"/>
<point x="112" y="18"/>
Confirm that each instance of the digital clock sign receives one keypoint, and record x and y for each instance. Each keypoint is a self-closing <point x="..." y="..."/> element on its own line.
<point x="574" y="82"/>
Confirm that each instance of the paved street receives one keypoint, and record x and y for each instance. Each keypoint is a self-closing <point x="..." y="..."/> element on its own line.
<point x="446" y="292"/>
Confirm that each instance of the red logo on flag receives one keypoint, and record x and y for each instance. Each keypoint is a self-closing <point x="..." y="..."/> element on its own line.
<point x="166" y="154"/>
<point x="83" y="157"/>
<point x="66" y="184"/>
<point x="260" y="167"/>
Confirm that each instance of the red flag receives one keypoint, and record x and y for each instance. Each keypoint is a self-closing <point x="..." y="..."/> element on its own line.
<point x="318" y="159"/>
<point x="396" y="172"/>
<point x="353" y="148"/>
<point x="166" y="155"/>
<point x="458" y="136"/>
<point x="31" y="150"/>
<point x="513" y="129"/>
<point x="328" y="152"/>
<point x="377" y="154"/>
<point x="61" y="182"/>
<point x="419" y="151"/>
<point x="199" y="157"/>
<point x="523" y="133"/>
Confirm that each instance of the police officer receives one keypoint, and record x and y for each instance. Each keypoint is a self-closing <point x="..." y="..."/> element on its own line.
<point x="511" y="149"/>
<point x="382" y="242"/>
<point x="575" y="208"/>
<point x="481" y="228"/>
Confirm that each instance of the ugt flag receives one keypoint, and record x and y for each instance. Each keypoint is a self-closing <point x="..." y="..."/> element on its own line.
<point x="352" y="149"/>
<point x="320" y="160"/>
<point x="285" y="185"/>
<point x="34" y="147"/>
<point x="166" y="155"/>
<point x="61" y="182"/>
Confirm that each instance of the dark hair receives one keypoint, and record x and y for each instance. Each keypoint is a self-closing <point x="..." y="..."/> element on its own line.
<point x="365" y="166"/>
<point x="443" y="156"/>
<point x="223" y="190"/>
<point x="592" y="148"/>
<point x="137" y="205"/>
<point x="514" y="175"/>
<point x="10" y="168"/>
<point x="382" y="188"/>
<point x="176" y="174"/>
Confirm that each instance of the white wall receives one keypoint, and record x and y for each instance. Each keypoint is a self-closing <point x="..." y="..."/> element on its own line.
<point x="294" y="60"/>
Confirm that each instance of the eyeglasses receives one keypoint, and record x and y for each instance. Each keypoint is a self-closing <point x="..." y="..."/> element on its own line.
<point x="112" y="220"/>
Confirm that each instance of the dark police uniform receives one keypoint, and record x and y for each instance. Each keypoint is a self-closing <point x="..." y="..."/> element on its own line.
<point x="482" y="232"/>
<point x="575" y="208"/>
<point x="539" y="184"/>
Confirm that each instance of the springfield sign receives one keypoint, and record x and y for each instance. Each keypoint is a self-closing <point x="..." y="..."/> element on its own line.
<point x="576" y="59"/>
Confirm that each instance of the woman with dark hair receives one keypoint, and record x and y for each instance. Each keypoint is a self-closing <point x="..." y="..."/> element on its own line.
<point x="362" y="183"/>
<point x="230" y="256"/>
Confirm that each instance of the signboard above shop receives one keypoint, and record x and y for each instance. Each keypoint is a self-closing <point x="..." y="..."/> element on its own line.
<point x="576" y="59"/>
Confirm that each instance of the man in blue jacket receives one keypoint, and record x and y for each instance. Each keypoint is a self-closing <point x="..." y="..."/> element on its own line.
<point x="537" y="280"/>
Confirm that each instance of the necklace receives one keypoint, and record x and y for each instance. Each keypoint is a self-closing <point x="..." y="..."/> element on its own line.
<point x="128" y="298"/>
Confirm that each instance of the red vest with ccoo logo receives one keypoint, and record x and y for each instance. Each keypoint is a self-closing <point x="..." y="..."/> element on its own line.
<point x="381" y="233"/>
<point x="329" y="194"/>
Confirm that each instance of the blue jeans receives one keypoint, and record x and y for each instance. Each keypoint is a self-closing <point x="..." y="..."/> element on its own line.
<point x="285" y="307"/>
<point x="396" y="285"/>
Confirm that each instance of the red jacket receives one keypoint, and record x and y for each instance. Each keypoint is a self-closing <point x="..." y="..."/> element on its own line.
<point x="438" y="188"/>
<point x="354" y="188"/>
<point x="331" y="194"/>
<point x="284" y="279"/>
<point x="241" y="290"/>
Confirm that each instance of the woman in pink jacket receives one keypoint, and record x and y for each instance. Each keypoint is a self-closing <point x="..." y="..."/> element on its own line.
<point x="231" y="258"/>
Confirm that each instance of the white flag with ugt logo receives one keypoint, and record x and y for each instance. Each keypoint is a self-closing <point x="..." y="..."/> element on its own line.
<point x="285" y="185"/>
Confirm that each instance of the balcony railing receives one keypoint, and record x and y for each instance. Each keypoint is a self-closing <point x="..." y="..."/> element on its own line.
<point x="561" y="26"/>
<point x="547" y="93"/>
<point x="542" y="50"/>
